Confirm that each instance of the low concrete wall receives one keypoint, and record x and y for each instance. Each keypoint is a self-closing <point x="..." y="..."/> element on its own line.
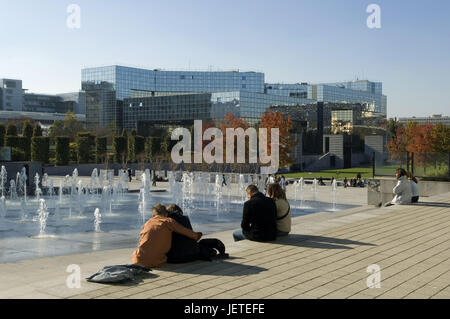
<point x="379" y="190"/>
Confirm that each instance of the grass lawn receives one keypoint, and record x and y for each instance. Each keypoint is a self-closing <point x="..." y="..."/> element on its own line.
<point x="337" y="173"/>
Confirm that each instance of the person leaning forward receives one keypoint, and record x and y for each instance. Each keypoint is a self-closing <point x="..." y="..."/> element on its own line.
<point x="156" y="238"/>
<point x="259" y="218"/>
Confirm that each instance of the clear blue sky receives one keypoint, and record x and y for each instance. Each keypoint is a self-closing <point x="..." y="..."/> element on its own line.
<point x="290" y="41"/>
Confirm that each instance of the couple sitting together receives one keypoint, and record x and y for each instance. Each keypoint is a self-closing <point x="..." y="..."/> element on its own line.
<point x="265" y="217"/>
<point x="168" y="237"/>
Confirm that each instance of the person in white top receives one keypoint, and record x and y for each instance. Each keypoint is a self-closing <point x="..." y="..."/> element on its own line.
<point x="402" y="190"/>
<point x="414" y="188"/>
<point x="283" y="183"/>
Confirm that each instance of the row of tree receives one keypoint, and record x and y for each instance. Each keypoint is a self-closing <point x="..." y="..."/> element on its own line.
<point x="27" y="145"/>
<point x="424" y="141"/>
<point x="67" y="142"/>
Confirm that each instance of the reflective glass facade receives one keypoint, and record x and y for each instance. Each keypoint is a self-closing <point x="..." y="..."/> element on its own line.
<point x="174" y="95"/>
<point x="292" y="90"/>
<point x="330" y="93"/>
<point x="361" y="91"/>
<point x="126" y="79"/>
<point x="200" y="106"/>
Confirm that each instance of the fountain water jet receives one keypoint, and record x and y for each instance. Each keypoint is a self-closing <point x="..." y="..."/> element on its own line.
<point x="3" y="180"/>
<point x="97" y="220"/>
<point x="42" y="218"/>
<point x="334" y="194"/>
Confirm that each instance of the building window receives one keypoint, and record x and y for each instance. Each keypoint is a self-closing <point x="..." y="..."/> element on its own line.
<point x="244" y="86"/>
<point x="182" y="77"/>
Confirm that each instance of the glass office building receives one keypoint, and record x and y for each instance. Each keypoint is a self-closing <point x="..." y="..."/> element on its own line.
<point x="241" y="93"/>
<point x="126" y="79"/>
<point x="292" y="90"/>
<point x="170" y="109"/>
<point x="330" y="93"/>
<point x="361" y="91"/>
<point x="11" y="95"/>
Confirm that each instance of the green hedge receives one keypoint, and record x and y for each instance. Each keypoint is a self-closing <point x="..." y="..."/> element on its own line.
<point x="62" y="150"/>
<point x="17" y="155"/>
<point x="19" y="142"/>
<point x="100" y="149"/>
<point x="73" y="152"/>
<point x="37" y="130"/>
<point x="153" y="147"/>
<point x="83" y="150"/>
<point x="2" y="134"/>
<point x="40" y="149"/>
<point x="131" y="151"/>
<point x="11" y="129"/>
<point x="89" y="136"/>
<point x="136" y="146"/>
<point x="139" y="145"/>
<point x="119" y="148"/>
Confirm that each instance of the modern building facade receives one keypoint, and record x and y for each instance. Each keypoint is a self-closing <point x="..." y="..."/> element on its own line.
<point x="44" y="118"/>
<point x="126" y="79"/>
<point x="139" y="112"/>
<point x="433" y="119"/>
<point x="74" y="102"/>
<point x="240" y="93"/>
<point x="11" y="95"/>
<point x="360" y="91"/>
<point x="14" y="98"/>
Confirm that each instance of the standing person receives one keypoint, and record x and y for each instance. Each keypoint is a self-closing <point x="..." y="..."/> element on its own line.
<point x="414" y="188"/>
<point x="156" y="238"/>
<point x="259" y="218"/>
<point x="283" y="209"/>
<point x="345" y="182"/>
<point x="402" y="190"/>
<point x="129" y="174"/>
<point x="224" y="182"/>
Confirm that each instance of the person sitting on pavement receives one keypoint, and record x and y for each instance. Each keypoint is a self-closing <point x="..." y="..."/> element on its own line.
<point x="402" y="190"/>
<point x="283" y="209"/>
<point x="156" y="238"/>
<point x="259" y="218"/>
<point x="185" y="249"/>
<point x="414" y="188"/>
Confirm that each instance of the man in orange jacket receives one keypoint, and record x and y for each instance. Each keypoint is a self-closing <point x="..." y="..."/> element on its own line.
<point x="156" y="238"/>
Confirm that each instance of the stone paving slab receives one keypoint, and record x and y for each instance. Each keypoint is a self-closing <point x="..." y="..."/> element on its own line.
<point x="326" y="256"/>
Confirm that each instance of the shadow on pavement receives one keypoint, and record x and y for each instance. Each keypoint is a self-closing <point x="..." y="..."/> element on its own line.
<point x="432" y="204"/>
<point x="227" y="268"/>
<point x="321" y="242"/>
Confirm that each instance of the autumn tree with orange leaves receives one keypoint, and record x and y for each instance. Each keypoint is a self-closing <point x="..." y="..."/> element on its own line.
<point x="287" y="141"/>
<point x="422" y="140"/>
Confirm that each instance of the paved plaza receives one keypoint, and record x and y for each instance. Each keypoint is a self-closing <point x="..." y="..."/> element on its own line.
<point x="327" y="255"/>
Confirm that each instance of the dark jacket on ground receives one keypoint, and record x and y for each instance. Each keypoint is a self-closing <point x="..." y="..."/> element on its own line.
<point x="183" y="249"/>
<point x="259" y="219"/>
